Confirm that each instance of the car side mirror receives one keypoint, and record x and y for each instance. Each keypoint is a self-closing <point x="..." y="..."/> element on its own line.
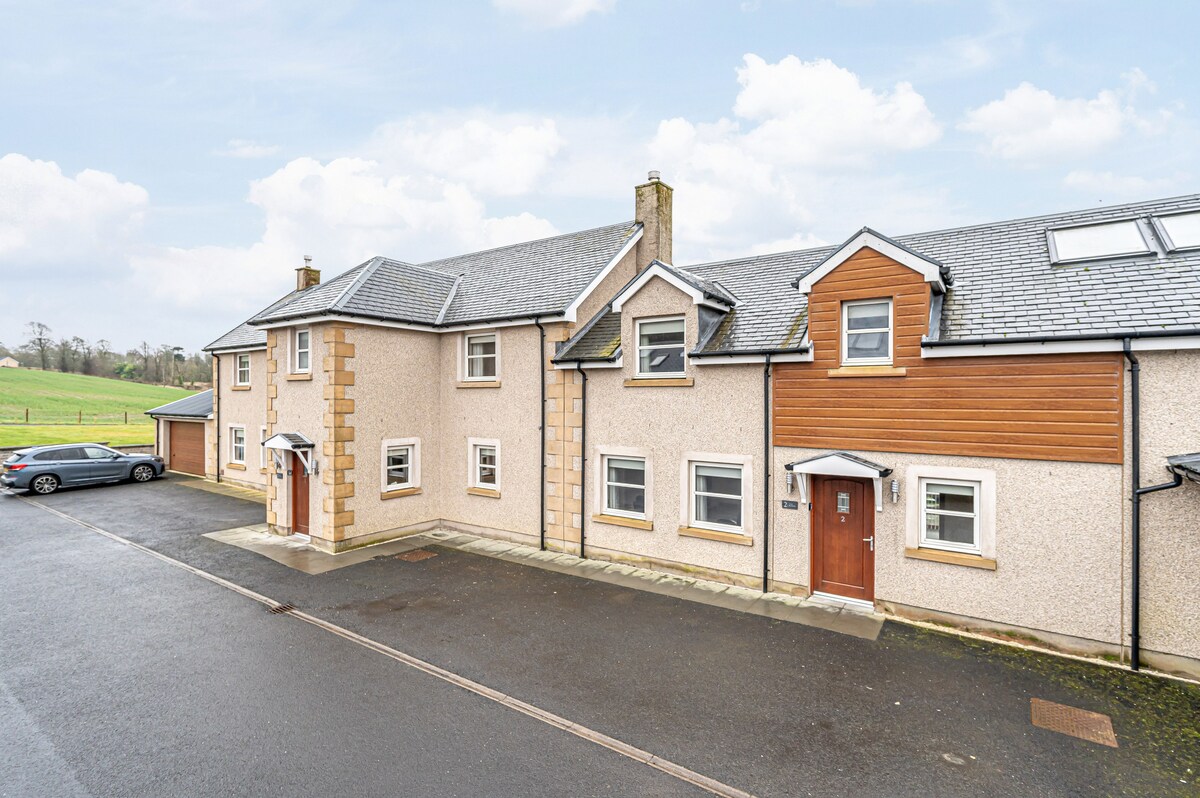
<point x="113" y="456"/>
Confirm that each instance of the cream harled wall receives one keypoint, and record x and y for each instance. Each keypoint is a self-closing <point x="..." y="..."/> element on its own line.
<point x="244" y="406"/>
<point x="719" y="414"/>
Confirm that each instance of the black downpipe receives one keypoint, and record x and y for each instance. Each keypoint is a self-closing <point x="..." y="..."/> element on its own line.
<point x="1135" y="523"/>
<point x="542" y="432"/>
<point x="766" y="472"/>
<point x="217" y="410"/>
<point x="582" y="459"/>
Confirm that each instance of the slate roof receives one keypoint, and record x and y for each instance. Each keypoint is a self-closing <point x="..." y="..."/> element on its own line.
<point x="1187" y="465"/>
<point x="244" y="336"/>
<point x="528" y="279"/>
<point x="1004" y="286"/>
<point x="198" y="405"/>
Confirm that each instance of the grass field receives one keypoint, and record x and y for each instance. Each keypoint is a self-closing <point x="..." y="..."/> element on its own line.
<point x="54" y="398"/>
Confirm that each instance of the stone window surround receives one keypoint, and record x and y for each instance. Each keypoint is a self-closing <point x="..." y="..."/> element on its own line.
<point x="687" y="500"/>
<point x="463" y="338"/>
<point x="986" y="479"/>
<point x="601" y="481"/>
<point x="414" y="466"/>
<point x="473" y="444"/>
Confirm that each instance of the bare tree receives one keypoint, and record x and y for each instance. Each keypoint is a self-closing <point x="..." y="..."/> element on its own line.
<point x="39" y="342"/>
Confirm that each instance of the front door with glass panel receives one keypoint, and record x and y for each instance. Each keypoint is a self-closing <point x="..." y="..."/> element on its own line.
<point x="843" y="537"/>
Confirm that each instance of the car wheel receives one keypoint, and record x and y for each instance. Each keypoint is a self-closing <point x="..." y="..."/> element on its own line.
<point x="45" y="484"/>
<point x="143" y="473"/>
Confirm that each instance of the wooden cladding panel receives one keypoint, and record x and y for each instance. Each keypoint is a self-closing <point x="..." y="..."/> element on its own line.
<point x="1038" y="407"/>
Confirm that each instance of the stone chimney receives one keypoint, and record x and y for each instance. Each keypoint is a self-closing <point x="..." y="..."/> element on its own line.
<point x="653" y="210"/>
<point x="306" y="275"/>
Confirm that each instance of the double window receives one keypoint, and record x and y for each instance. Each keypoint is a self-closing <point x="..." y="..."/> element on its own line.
<point x="950" y="515"/>
<point x="242" y="370"/>
<point x="717" y="496"/>
<point x="237" y="445"/>
<point x="867" y="333"/>
<point x="625" y="486"/>
<point x="482" y="358"/>
<point x="660" y="346"/>
<point x="302" y="352"/>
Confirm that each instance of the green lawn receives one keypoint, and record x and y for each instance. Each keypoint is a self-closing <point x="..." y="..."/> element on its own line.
<point x="54" y="399"/>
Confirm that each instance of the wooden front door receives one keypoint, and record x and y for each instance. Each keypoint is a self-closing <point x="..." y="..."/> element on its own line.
<point x="299" y="497"/>
<point x="843" y="531"/>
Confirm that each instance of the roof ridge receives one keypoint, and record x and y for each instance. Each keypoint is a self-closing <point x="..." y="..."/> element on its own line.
<point x="368" y="269"/>
<point x="427" y="263"/>
<point x="441" y="316"/>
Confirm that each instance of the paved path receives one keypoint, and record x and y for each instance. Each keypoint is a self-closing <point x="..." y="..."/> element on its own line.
<point x="770" y="707"/>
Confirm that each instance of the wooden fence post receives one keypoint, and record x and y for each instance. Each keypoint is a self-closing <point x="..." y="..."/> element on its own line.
<point x="81" y="417"/>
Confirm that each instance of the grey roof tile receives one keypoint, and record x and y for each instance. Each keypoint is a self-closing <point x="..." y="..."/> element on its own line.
<point x="198" y="405"/>
<point x="244" y="336"/>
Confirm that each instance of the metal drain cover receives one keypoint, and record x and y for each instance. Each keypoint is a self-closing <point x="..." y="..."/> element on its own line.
<point x="281" y="609"/>
<point x="416" y="555"/>
<point x="1090" y="726"/>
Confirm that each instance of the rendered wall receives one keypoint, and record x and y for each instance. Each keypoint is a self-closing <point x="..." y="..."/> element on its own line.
<point x="246" y="408"/>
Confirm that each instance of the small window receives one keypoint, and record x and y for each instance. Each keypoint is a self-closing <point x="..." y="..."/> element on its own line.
<point x="303" y="352"/>
<point x="486" y="466"/>
<point x="660" y="348"/>
<point x="398" y="464"/>
<point x="1090" y="242"/>
<point x="625" y="486"/>
<point x="867" y="332"/>
<point x="243" y="370"/>
<point x="950" y="515"/>
<point x="482" y="357"/>
<point x="843" y="501"/>
<point x="262" y="450"/>
<point x="717" y="497"/>
<point x="1181" y="231"/>
<point x="237" y="444"/>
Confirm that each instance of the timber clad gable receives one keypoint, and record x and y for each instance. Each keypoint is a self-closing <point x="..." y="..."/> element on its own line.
<point x="1044" y="407"/>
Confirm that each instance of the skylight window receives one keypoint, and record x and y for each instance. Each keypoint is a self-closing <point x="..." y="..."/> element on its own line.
<point x="1109" y="240"/>
<point x="1182" y="231"/>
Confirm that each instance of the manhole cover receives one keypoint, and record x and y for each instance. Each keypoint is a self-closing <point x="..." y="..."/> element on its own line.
<point x="416" y="555"/>
<point x="1091" y="726"/>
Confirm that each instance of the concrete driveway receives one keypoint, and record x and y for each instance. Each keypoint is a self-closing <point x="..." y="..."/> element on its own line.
<point x="758" y="705"/>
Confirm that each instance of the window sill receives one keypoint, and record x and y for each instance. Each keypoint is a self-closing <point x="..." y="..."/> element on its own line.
<point x="487" y="492"/>
<point x="239" y="387"/>
<point x="307" y="376"/>
<point x="399" y="493"/>
<point x="235" y="466"/>
<point x="951" y="558"/>
<point x="479" y="384"/>
<point x="617" y="520"/>
<point x="655" y="382"/>
<point x="712" y="534"/>
<point x="867" y="371"/>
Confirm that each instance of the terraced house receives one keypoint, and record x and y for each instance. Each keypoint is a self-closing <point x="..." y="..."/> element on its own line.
<point x="989" y="426"/>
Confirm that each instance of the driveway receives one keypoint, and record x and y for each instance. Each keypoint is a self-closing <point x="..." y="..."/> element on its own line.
<point x="763" y="706"/>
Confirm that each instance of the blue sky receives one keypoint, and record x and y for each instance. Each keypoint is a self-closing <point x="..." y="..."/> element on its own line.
<point x="166" y="165"/>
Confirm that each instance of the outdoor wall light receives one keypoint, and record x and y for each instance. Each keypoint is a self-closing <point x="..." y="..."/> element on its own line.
<point x="790" y="480"/>
<point x="895" y="491"/>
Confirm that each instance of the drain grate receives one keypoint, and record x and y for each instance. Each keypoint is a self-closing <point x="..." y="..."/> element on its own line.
<point x="416" y="555"/>
<point x="281" y="609"/>
<point x="1090" y="726"/>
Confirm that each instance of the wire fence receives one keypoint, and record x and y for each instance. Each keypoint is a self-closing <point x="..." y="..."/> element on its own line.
<point x="32" y="416"/>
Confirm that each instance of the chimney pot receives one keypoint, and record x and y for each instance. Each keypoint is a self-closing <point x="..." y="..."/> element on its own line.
<point x="654" y="176"/>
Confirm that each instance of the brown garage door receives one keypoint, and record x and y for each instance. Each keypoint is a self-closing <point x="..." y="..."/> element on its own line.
<point x="186" y="439"/>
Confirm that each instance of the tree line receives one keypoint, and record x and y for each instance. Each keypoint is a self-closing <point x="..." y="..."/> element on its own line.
<point x="160" y="365"/>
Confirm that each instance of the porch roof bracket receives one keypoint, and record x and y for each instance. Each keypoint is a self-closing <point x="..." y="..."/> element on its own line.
<point x="841" y="464"/>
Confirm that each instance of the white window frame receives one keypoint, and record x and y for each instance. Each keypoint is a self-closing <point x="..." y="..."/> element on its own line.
<point x="868" y="361"/>
<point x="296" y="350"/>
<point x="1055" y="257"/>
<point x="947" y="545"/>
<point x="473" y="447"/>
<point x="233" y="458"/>
<point x="414" y="463"/>
<point x="237" y="369"/>
<point x="1160" y="226"/>
<point x="465" y="360"/>
<point x="687" y="499"/>
<point x="262" y="450"/>
<point x="602" y="483"/>
<point x="984" y="481"/>
<point x="637" y="337"/>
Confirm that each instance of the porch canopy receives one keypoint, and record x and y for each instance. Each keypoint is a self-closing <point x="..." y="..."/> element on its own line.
<point x="840" y="464"/>
<point x="294" y="442"/>
<point x="1185" y="465"/>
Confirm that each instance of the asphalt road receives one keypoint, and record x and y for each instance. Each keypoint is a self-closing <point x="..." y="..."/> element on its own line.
<point x="121" y="675"/>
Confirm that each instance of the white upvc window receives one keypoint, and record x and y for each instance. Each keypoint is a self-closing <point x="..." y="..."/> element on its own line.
<point x="660" y="345"/>
<point x="241" y="374"/>
<point x="237" y="445"/>
<point x="302" y="352"/>
<point x="484" y="463"/>
<point x="400" y="464"/>
<point x="625" y="486"/>
<point x="950" y="515"/>
<point x="717" y="497"/>
<point x="481" y="354"/>
<point x="262" y="450"/>
<point x="867" y="332"/>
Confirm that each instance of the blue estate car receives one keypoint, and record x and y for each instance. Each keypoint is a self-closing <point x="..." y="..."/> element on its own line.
<point x="43" y="469"/>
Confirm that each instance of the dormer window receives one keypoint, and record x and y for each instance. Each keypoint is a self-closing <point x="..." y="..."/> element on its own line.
<point x="660" y="347"/>
<point x="867" y="333"/>
<point x="1097" y="241"/>
<point x="1179" y="231"/>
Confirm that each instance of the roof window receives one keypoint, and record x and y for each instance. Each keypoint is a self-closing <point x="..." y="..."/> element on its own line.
<point x="1094" y="241"/>
<point x="1179" y="231"/>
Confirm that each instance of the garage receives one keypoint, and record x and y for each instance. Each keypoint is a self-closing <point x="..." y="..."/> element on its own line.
<point x="185" y="444"/>
<point x="183" y="432"/>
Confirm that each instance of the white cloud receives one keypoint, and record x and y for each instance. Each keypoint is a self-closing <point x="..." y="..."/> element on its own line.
<point x="554" y="13"/>
<point x="1111" y="186"/>
<point x="243" y="148"/>
<point x="1031" y="124"/>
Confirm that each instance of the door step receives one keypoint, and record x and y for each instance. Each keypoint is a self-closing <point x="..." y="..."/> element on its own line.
<point x="832" y="599"/>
